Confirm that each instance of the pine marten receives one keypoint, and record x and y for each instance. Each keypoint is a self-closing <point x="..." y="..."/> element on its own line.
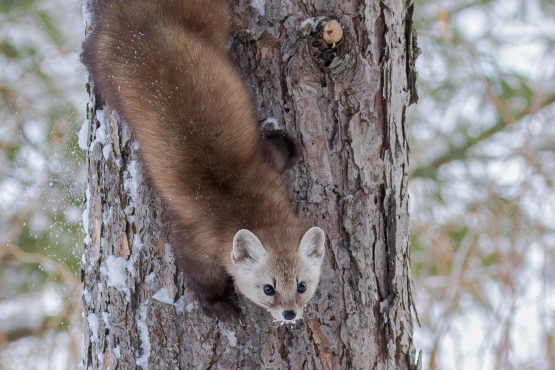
<point x="164" y="68"/>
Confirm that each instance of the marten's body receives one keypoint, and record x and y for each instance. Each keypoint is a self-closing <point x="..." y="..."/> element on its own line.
<point x="163" y="66"/>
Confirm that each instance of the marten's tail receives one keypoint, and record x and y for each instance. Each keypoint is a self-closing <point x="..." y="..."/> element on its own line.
<point x="125" y="32"/>
<point x="209" y="19"/>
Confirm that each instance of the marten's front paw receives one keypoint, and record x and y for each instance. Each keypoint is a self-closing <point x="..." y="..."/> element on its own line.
<point x="217" y="300"/>
<point x="222" y="308"/>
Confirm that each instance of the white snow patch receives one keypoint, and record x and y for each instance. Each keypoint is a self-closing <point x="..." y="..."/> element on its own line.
<point x="87" y="16"/>
<point x="106" y="319"/>
<point x="314" y="22"/>
<point x="190" y="307"/>
<point x="259" y="5"/>
<point x="100" y="116"/>
<point x="87" y="239"/>
<point x="93" y="325"/>
<point x="179" y="305"/>
<point x="86" y="211"/>
<point x="107" y="216"/>
<point x="101" y="133"/>
<point x="84" y="135"/>
<point x="230" y="335"/>
<point x="163" y="296"/>
<point x="150" y="277"/>
<point x="269" y="123"/>
<point x="137" y="243"/>
<point x="142" y="360"/>
<point x="115" y="269"/>
<point x="310" y="21"/>
<point x="87" y="296"/>
<point x="106" y="151"/>
<point x="100" y="287"/>
<point x="117" y="352"/>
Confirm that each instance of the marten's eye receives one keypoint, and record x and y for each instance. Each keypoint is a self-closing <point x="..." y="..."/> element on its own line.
<point x="301" y="288"/>
<point x="269" y="290"/>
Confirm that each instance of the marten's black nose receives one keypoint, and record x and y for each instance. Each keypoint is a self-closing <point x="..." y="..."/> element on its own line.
<point x="289" y="315"/>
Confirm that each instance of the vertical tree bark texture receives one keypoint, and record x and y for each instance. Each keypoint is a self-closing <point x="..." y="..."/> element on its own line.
<point x="346" y="105"/>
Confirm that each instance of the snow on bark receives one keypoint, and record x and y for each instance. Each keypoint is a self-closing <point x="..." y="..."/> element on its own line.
<point x="84" y="135"/>
<point x="142" y="359"/>
<point x="346" y="103"/>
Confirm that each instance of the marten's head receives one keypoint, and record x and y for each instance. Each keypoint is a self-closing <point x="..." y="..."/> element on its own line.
<point x="280" y="278"/>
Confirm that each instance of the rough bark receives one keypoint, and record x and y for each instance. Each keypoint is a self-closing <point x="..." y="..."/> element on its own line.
<point x="346" y="105"/>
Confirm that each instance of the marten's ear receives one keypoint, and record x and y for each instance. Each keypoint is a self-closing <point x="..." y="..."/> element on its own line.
<point x="246" y="247"/>
<point x="313" y="244"/>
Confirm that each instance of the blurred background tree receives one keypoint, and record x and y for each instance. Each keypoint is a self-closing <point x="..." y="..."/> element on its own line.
<point x="482" y="195"/>
<point x="482" y="190"/>
<point x="42" y="101"/>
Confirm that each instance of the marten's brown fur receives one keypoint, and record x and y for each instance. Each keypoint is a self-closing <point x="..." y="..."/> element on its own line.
<point x="163" y="66"/>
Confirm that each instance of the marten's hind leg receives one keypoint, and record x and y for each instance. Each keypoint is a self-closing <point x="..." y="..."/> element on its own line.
<point x="281" y="149"/>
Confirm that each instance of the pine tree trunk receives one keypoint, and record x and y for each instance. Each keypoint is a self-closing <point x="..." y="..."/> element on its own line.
<point x="346" y="104"/>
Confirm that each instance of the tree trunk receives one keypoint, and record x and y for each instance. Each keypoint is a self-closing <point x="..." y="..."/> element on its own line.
<point x="346" y="104"/>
